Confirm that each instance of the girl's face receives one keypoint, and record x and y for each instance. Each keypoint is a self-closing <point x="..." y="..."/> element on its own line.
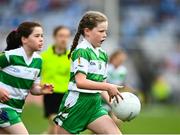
<point x="97" y="35"/>
<point x="35" y="39"/>
<point x="62" y="37"/>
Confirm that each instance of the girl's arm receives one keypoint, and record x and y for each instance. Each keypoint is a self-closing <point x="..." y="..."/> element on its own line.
<point x="83" y="83"/>
<point x="38" y="89"/>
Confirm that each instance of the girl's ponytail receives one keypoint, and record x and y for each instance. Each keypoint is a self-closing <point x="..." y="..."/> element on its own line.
<point x="75" y="43"/>
<point x="13" y="40"/>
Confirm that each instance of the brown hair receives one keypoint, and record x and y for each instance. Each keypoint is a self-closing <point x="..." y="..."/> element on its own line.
<point x="114" y="54"/>
<point x="89" y="20"/>
<point x="13" y="39"/>
<point x="58" y="28"/>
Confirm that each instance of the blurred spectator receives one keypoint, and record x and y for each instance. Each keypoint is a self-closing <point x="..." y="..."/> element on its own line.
<point x="173" y="60"/>
<point x="36" y="10"/>
<point x="56" y="70"/>
<point x="167" y="9"/>
<point x="117" y="73"/>
<point x="161" y="90"/>
<point x="146" y="71"/>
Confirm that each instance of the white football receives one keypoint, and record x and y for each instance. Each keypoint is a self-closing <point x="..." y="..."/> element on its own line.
<point x="128" y="108"/>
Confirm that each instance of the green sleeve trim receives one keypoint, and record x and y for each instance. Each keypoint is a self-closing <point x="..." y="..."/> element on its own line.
<point x="80" y="53"/>
<point x="104" y="78"/>
<point x="79" y="71"/>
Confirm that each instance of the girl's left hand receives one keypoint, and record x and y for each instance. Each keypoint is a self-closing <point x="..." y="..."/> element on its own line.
<point x="47" y="88"/>
<point x="125" y="88"/>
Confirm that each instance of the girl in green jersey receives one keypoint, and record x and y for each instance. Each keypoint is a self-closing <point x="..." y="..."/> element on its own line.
<point x="81" y="107"/>
<point x="20" y="69"/>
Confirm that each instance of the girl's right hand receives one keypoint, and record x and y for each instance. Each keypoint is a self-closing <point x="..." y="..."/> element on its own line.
<point x="113" y="92"/>
<point x="4" y="95"/>
<point x="47" y="88"/>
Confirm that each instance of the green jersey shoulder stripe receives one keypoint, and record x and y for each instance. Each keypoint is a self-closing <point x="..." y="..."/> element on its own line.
<point x="3" y="61"/>
<point x="19" y="60"/>
<point x="81" y="52"/>
<point x="89" y="54"/>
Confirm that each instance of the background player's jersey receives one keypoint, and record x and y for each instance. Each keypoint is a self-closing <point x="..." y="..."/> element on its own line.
<point x="116" y="75"/>
<point x="17" y="75"/>
<point x="56" y="70"/>
<point x="89" y="61"/>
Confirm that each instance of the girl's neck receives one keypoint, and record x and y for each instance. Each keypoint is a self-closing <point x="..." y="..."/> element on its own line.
<point x="28" y="51"/>
<point x="59" y="50"/>
<point x="115" y="65"/>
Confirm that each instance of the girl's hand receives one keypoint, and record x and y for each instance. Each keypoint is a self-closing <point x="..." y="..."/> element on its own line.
<point x="47" y="88"/>
<point x="125" y="88"/>
<point x="113" y="92"/>
<point x="4" y="95"/>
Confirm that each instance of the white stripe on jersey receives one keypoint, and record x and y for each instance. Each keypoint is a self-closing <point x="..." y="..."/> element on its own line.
<point x="97" y="67"/>
<point x="14" y="92"/>
<point x="22" y="72"/>
<point x="93" y="68"/>
<point x="71" y="98"/>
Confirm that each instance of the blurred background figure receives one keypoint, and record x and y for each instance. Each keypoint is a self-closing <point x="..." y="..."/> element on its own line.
<point x="56" y="70"/>
<point x="161" y="90"/>
<point x="117" y="72"/>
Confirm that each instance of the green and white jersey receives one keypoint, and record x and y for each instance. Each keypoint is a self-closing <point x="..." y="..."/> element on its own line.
<point x="17" y="75"/>
<point x="89" y="61"/>
<point x="116" y="75"/>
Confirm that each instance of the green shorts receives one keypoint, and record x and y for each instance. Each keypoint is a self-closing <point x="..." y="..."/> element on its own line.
<point x="13" y="116"/>
<point x="105" y="105"/>
<point x="78" y="110"/>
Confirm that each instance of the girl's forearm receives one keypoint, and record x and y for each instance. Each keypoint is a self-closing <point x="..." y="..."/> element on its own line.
<point x="84" y="83"/>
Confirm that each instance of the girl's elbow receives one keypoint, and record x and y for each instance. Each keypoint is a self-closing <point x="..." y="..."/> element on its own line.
<point x="79" y="84"/>
<point x="32" y="92"/>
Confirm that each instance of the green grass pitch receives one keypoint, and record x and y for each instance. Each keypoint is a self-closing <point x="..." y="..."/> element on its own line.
<point x="156" y="119"/>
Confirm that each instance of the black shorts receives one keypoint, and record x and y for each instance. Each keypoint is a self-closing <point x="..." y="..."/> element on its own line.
<point x="52" y="103"/>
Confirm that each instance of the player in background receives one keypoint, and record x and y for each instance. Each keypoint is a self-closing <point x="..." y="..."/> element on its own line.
<point x="116" y="74"/>
<point x="56" y="70"/>
<point x="20" y="69"/>
<point x="81" y="107"/>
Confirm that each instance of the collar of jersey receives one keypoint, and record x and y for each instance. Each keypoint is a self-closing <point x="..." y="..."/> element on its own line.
<point x="95" y="50"/>
<point x="26" y="59"/>
<point x="60" y="54"/>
